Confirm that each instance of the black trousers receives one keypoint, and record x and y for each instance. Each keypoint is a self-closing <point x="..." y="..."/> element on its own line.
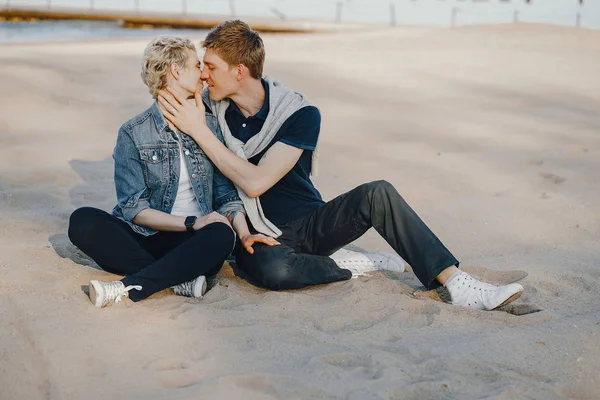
<point x="302" y="259"/>
<point x="155" y="262"/>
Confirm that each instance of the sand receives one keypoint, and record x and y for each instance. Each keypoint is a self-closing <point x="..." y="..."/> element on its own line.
<point x="491" y="133"/>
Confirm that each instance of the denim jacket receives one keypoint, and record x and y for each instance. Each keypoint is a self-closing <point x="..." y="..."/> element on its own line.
<point x="147" y="168"/>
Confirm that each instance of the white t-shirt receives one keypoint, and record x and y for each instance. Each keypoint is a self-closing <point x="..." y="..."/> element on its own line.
<point x="185" y="201"/>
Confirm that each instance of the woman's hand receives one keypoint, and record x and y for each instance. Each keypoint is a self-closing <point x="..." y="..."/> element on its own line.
<point x="249" y="240"/>
<point x="211" y="218"/>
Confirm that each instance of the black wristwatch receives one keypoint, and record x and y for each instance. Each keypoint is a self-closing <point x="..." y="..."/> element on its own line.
<point x="189" y="223"/>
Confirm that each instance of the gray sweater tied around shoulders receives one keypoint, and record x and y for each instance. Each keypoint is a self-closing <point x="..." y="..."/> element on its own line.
<point x="283" y="102"/>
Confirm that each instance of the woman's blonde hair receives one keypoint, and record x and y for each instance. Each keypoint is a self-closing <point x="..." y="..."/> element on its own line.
<point x="158" y="57"/>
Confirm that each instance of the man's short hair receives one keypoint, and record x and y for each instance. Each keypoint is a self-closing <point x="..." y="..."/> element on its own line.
<point x="160" y="53"/>
<point x="236" y="43"/>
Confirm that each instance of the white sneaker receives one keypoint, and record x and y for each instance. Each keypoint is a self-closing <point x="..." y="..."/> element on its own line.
<point x="194" y="288"/>
<point x="102" y="293"/>
<point x="361" y="263"/>
<point x="469" y="292"/>
<point x="385" y="261"/>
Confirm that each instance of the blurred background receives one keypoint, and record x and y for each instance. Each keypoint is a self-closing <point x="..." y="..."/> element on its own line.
<point x="28" y="27"/>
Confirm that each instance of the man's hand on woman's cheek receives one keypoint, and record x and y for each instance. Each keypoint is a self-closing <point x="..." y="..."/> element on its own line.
<point x="189" y="117"/>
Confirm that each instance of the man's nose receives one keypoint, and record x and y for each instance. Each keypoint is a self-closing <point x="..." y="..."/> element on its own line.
<point x="204" y="74"/>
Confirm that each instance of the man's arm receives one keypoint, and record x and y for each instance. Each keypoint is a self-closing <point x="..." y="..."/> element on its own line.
<point x="254" y="180"/>
<point x="238" y="221"/>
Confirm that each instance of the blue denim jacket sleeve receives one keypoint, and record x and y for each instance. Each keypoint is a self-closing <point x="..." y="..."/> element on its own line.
<point x="132" y="194"/>
<point x="225" y="195"/>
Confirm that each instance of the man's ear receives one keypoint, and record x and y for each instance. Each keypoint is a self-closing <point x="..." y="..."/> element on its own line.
<point x="241" y="71"/>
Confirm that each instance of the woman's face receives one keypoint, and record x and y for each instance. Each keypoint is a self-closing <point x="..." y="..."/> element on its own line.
<point x="189" y="76"/>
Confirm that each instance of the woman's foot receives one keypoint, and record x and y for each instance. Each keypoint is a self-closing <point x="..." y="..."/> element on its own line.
<point x="194" y="288"/>
<point x="102" y="293"/>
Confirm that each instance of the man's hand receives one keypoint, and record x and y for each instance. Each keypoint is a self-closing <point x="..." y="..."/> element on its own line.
<point x="249" y="240"/>
<point x="187" y="117"/>
<point x="211" y="218"/>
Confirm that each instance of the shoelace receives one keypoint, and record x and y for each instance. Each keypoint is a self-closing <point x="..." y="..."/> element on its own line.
<point x="113" y="289"/>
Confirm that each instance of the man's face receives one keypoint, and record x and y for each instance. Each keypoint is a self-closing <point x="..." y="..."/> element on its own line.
<point x="220" y="77"/>
<point x="189" y="77"/>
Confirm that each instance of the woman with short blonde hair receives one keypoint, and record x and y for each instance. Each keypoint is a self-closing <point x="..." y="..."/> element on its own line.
<point x="172" y="224"/>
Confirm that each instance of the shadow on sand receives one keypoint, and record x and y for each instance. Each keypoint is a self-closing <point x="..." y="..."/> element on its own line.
<point x="97" y="190"/>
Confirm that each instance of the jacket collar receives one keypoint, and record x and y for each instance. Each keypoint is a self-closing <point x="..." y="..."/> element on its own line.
<point x="159" y="119"/>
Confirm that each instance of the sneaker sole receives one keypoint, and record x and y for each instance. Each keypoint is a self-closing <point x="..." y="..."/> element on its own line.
<point x="202" y="289"/>
<point x="94" y="294"/>
<point x="510" y="299"/>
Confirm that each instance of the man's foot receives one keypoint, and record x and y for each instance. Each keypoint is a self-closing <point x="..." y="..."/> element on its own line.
<point x="469" y="292"/>
<point x="385" y="261"/>
<point x="102" y="293"/>
<point x="361" y="263"/>
<point x="194" y="288"/>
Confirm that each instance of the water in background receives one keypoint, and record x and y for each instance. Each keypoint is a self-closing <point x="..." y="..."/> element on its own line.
<point x="400" y="12"/>
<point x="52" y="31"/>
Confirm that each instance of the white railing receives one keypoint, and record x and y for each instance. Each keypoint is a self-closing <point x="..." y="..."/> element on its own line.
<point x="394" y="12"/>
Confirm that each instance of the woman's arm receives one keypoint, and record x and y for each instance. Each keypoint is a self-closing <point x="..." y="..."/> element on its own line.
<point x="162" y="221"/>
<point x="132" y="194"/>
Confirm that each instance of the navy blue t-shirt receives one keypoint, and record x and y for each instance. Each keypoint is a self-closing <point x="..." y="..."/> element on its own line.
<point x="294" y="195"/>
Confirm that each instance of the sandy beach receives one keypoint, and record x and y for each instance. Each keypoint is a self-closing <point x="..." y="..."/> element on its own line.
<point x="490" y="133"/>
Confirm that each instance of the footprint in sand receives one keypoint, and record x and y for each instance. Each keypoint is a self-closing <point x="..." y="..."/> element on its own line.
<point x="423" y="316"/>
<point x="544" y="196"/>
<point x="536" y="161"/>
<point x="556" y="179"/>
<point x="352" y="363"/>
<point x="261" y="387"/>
<point x="347" y="361"/>
<point x="173" y="373"/>
<point x="353" y="322"/>
<point x="167" y="364"/>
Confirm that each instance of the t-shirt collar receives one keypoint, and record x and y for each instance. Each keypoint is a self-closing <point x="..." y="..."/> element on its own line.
<point x="264" y="110"/>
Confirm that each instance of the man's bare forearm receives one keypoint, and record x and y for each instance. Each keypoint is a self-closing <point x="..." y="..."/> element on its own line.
<point x="243" y="173"/>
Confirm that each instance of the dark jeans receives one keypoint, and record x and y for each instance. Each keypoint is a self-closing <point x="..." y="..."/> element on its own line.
<point x="302" y="259"/>
<point x="155" y="262"/>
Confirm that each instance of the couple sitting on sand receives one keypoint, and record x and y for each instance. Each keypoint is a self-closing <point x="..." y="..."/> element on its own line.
<point x="197" y="166"/>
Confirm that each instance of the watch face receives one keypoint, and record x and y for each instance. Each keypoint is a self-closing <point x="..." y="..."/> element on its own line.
<point x="189" y="222"/>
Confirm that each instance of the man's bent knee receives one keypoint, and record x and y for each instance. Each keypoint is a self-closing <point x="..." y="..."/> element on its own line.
<point x="380" y="185"/>
<point x="272" y="267"/>
<point x="281" y="276"/>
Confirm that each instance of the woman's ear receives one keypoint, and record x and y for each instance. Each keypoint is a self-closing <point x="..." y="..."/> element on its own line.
<point x="175" y="70"/>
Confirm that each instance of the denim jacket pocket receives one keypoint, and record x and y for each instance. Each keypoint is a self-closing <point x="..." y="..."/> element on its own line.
<point x="156" y="165"/>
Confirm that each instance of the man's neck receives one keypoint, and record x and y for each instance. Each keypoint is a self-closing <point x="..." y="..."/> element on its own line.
<point x="250" y="97"/>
